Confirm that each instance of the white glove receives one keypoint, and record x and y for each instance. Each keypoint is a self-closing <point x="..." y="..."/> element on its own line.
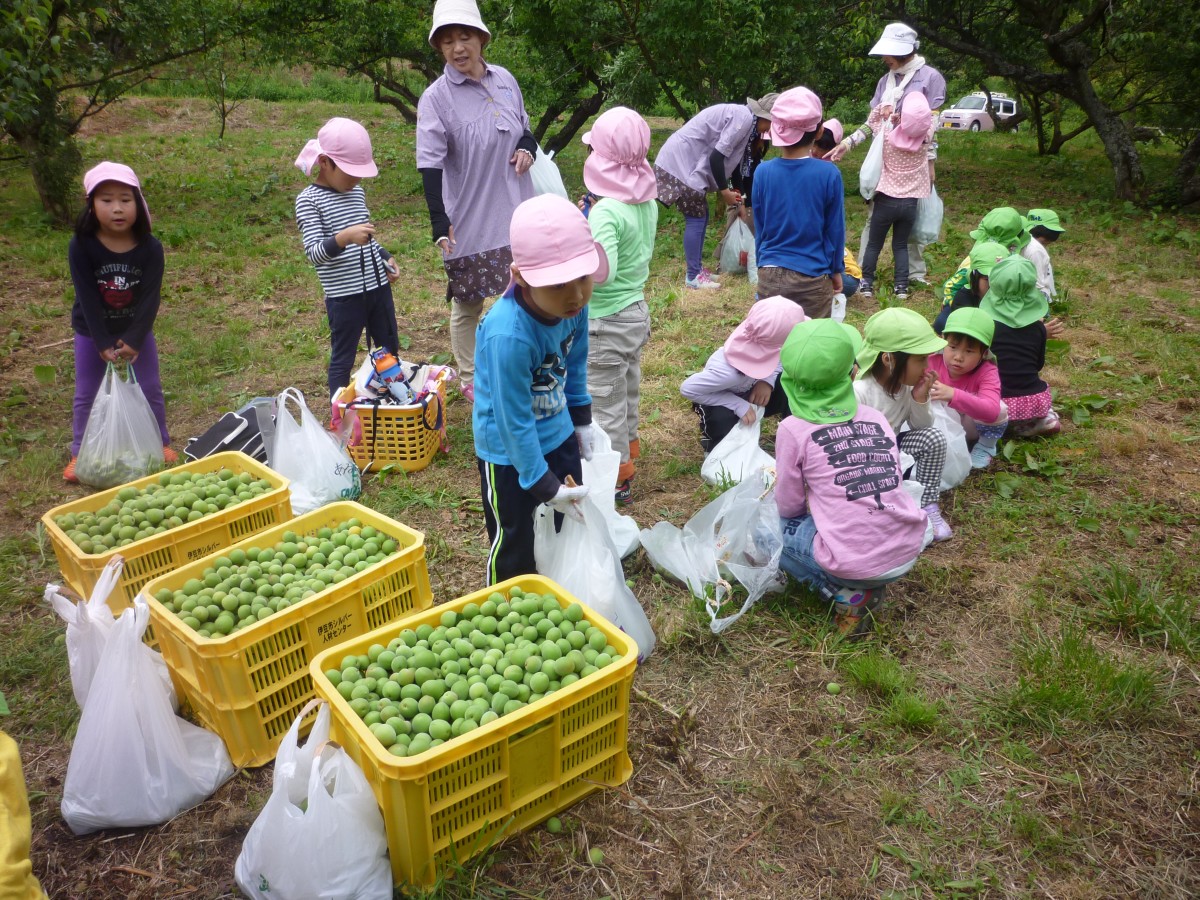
<point x="587" y="441"/>
<point x="566" y="501"/>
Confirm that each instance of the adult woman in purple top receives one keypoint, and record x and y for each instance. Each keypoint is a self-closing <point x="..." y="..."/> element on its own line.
<point x="700" y="158"/>
<point x="474" y="148"/>
<point x="907" y="72"/>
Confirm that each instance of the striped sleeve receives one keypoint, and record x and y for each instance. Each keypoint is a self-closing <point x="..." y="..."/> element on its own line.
<point x="320" y="214"/>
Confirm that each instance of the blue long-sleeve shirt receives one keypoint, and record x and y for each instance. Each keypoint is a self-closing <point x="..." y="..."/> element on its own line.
<point x="530" y="388"/>
<point x="799" y="216"/>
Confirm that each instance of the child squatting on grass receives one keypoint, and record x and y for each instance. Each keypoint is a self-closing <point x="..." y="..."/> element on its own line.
<point x="117" y="271"/>
<point x="969" y="382"/>
<point x="984" y="255"/>
<point x="1017" y="307"/>
<point x="743" y="373"/>
<point x="1044" y="229"/>
<point x="532" y="409"/>
<point x="339" y="240"/>
<point x="623" y="222"/>
<point x="894" y="377"/>
<point x="849" y="526"/>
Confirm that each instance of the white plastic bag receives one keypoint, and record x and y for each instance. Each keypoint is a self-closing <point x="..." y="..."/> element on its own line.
<point x="600" y="474"/>
<point x="738" y="536"/>
<point x="89" y="624"/>
<point x="121" y="441"/>
<point x="546" y="177"/>
<point x="320" y="469"/>
<point x="737" y="455"/>
<point x="582" y="558"/>
<point x="871" y="169"/>
<point x="958" y="457"/>
<point x="838" y="310"/>
<point x="927" y="229"/>
<point x="737" y="248"/>
<point x="134" y="762"/>
<point x="320" y="834"/>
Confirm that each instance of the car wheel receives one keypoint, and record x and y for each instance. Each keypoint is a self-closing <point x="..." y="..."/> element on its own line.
<point x="975" y="126"/>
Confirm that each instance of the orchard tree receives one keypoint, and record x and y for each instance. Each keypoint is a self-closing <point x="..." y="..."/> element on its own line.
<point x="62" y="61"/>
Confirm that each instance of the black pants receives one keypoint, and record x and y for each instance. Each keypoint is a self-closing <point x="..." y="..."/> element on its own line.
<point x="508" y="510"/>
<point x="348" y="316"/>
<point x="718" y="421"/>
<point x="898" y="214"/>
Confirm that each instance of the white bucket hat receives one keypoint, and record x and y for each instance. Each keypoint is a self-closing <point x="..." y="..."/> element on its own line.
<point x="457" y="12"/>
<point x="898" y="40"/>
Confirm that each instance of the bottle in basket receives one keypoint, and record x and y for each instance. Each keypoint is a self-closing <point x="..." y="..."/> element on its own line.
<point x="390" y="374"/>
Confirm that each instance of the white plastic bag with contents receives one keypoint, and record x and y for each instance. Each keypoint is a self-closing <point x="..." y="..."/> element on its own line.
<point x="582" y="558"/>
<point x="736" y="536"/>
<point x="312" y="458"/>
<point x="134" y="762"/>
<point x="737" y="455"/>
<point x="320" y="834"/>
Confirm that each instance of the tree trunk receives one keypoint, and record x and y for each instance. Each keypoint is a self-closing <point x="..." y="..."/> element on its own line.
<point x="54" y="160"/>
<point x="587" y="108"/>
<point x="1119" y="146"/>
<point x="1187" y="173"/>
<point x="553" y="111"/>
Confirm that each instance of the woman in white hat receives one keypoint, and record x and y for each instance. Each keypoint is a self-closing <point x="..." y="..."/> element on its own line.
<point x="907" y="72"/>
<point x="474" y="148"/>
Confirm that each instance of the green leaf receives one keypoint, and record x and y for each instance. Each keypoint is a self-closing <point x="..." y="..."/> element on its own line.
<point x="44" y="374"/>
<point x="1088" y="523"/>
<point x="1057" y="346"/>
<point x="4" y="711"/>
<point x="1131" y="534"/>
<point x="440" y="359"/>
<point x="1007" y="484"/>
<point x="1080" y="415"/>
<point x="405" y="342"/>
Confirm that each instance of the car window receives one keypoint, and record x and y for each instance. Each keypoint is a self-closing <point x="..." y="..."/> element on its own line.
<point x="971" y="103"/>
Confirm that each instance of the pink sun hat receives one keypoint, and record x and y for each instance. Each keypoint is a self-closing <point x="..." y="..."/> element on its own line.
<point x="346" y="143"/>
<point x="795" y="113"/>
<point x="118" y="172"/>
<point x="753" y="348"/>
<point x="552" y="242"/>
<point x="913" y="129"/>
<point x="834" y="127"/>
<point x="617" y="166"/>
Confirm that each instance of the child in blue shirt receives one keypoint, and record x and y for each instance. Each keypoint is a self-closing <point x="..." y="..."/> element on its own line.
<point x="532" y="407"/>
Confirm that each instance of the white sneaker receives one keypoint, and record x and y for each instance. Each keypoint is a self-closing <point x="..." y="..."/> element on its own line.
<point x="941" y="528"/>
<point x="703" y="282"/>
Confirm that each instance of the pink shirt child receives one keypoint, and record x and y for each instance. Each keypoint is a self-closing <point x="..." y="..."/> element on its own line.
<point x="846" y="475"/>
<point x="976" y="394"/>
<point x="905" y="172"/>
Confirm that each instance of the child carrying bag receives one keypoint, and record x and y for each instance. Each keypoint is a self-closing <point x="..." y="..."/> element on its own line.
<point x="313" y="459"/>
<point x="121" y="442"/>
<point x="737" y="455"/>
<point x="320" y="834"/>
<point x="134" y="762"/>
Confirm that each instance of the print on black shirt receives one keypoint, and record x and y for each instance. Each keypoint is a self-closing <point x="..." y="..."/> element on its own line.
<point x="863" y="451"/>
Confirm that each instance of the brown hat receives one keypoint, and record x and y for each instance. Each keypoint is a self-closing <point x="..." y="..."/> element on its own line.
<point x="762" y="106"/>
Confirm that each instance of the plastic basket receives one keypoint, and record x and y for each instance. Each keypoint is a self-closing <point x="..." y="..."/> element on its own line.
<point x="249" y="686"/>
<point x="408" y="437"/>
<point x="453" y="801"/>
<point x="162" y="553"/>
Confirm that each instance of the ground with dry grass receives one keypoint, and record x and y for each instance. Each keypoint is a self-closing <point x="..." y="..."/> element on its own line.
<point x="1025" y="723"/>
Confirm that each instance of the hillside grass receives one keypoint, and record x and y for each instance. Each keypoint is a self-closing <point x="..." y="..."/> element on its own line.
<point x="1026" y="721"/>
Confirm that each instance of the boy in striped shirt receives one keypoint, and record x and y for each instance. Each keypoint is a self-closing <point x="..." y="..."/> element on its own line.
<point x="339" y="240"/>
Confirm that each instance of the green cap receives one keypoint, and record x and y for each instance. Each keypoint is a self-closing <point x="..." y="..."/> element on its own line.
<point x="986" y="254"/>
<point x="1013" y="297"/>
<point x="972" y="322"/>
<point x="1004" y="225"/>
<point x="817" y="357"/>
<point x="1047" y="218"/>
<point x="896" y="329"/>
<point x="854" y="335"/>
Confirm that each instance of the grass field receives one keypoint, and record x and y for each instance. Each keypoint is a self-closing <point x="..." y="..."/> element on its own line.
<point x="1025" y="723"/>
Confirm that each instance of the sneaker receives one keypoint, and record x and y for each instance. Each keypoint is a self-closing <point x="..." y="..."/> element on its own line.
<point x="918" y="283"/>
<point x="69" y="471"/>
<point x="467" y="389"/>
<point x="170" y="457"/>
<point x="866" y="290"/>
<point x="941" y="528"/>
<point x="706" y="444"/>
<point x="703" y="282"/>
<point x="1047" y="425"/>
<point x="901" y="295"/>
<point x="624" y="493"/>
<point x="981" y="456"/>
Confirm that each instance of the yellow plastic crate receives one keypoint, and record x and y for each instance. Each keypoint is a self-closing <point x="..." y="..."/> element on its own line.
<point x="249" y="686"/>
<point x="161" y="553"/>
<point x="452" y="801"/>
<point x="408" y="438"/>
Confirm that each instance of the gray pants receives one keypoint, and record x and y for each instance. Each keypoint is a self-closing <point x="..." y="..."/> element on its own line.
<point x="615" y="345"/>
<point x="916" y="252"/>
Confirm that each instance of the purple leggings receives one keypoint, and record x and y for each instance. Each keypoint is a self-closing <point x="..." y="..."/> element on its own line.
<point x="694" y="228"/>
<point x="89" y="374"/>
